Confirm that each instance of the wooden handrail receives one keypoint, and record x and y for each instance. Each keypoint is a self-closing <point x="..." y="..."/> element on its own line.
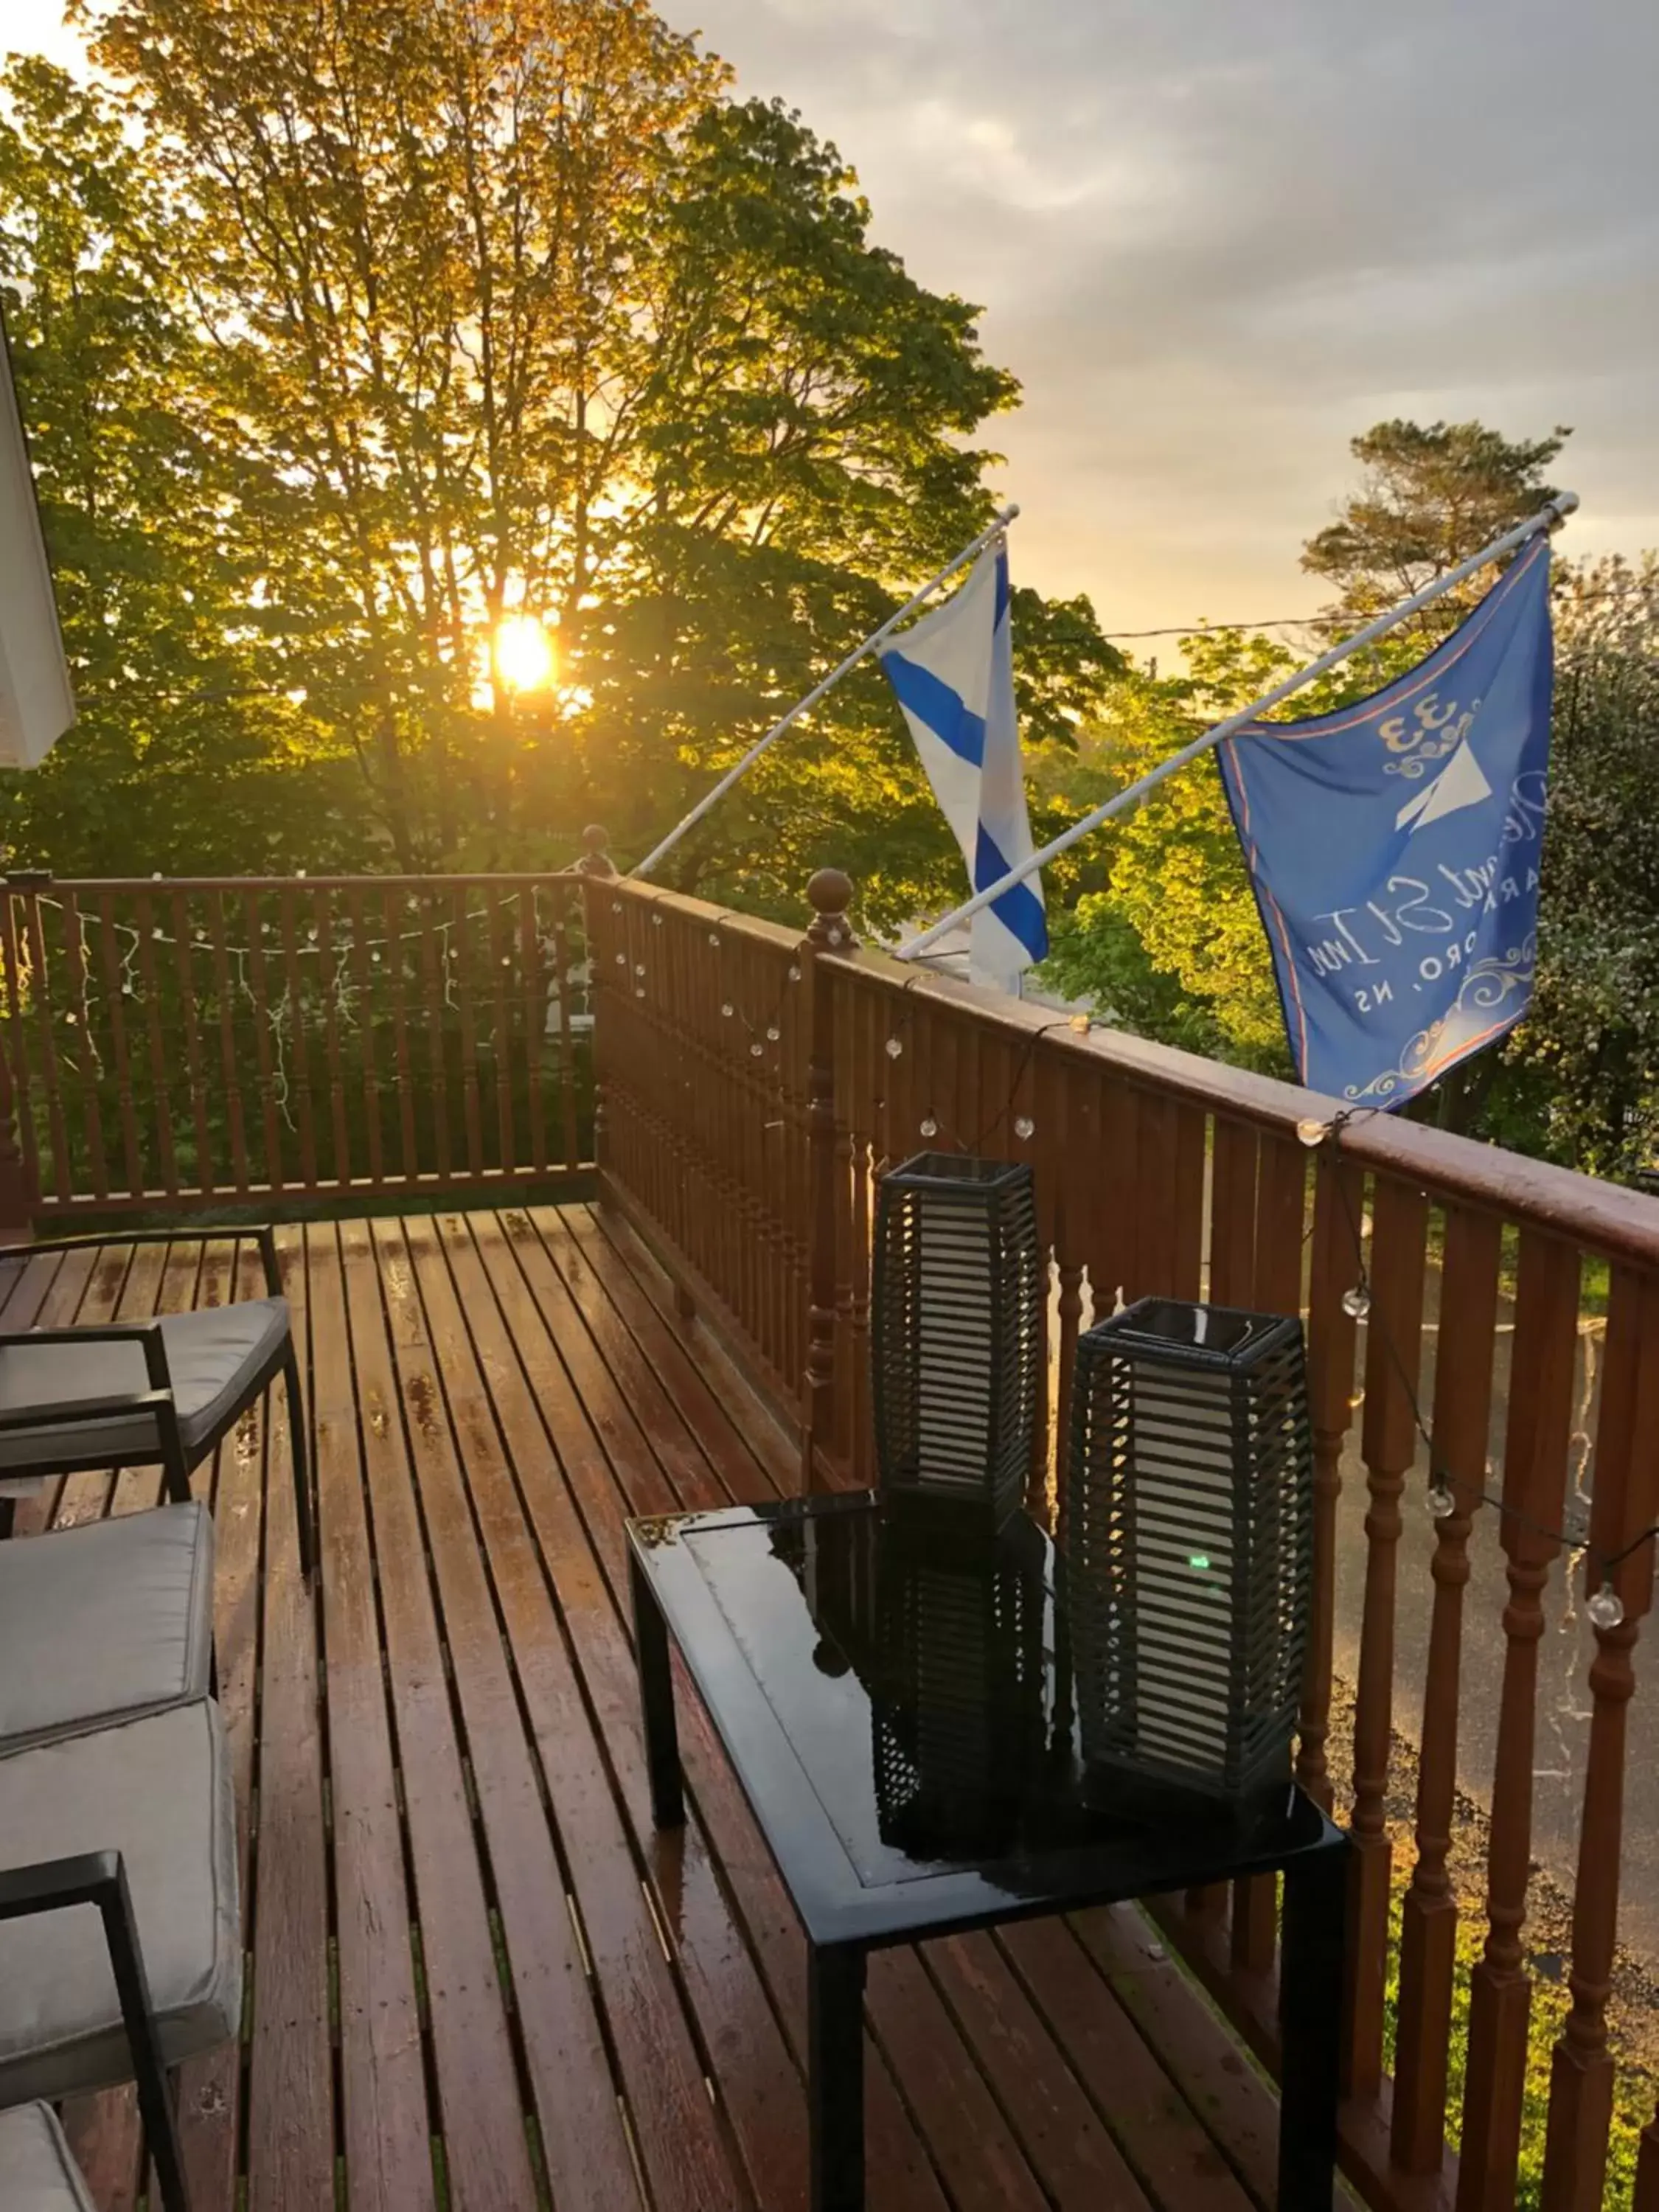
<point x="751" y="1162"/>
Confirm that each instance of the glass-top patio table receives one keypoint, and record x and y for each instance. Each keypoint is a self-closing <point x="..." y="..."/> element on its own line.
<point x="895" y="1698"/>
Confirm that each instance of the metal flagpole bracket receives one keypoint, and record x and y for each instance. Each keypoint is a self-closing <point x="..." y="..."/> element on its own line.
<point x="1549" y="518"/>
<point x="996" y="528"/>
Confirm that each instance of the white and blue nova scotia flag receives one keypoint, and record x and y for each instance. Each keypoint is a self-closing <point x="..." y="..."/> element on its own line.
<point x="1394" y="847"/>
<point x="954" y="675"/>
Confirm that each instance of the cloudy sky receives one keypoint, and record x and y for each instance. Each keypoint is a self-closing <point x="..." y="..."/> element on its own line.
<point x="1214" y="240"/>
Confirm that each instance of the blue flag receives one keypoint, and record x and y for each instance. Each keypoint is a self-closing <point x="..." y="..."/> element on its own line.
<point x="954" y="675"/>
<point x="1394" y="847"/>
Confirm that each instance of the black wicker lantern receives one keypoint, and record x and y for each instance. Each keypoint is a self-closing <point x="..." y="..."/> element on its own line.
<point x="1188" y="1542"/>
<point x="957" y="1338"/>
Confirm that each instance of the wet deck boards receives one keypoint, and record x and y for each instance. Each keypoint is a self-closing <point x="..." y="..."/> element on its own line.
<point x="478" y="1979"/>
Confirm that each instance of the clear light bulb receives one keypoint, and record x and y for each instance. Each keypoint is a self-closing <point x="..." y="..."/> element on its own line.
<point x="1442" y="1504"/>
<point x="1310" y="1133"/>
<point x="756" y="1049"/>
<point x="1606" y="1610"/>
<point x="794" y="975"/>
<point x="727" y="1009"/>
<point x="894" y="1048"/>
<point x="773" y="1033"/>
<point x="714" y="937"/>
<point x="1024" y="1127"/>
<point x="928" y="1126"/>
<point x="1356" y="1302"/>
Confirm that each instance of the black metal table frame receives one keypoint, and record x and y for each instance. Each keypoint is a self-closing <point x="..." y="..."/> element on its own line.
<point x="1312" y="1939"/>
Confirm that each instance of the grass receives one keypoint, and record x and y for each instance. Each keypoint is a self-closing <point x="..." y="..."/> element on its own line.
<point x="1633" y="2085"/>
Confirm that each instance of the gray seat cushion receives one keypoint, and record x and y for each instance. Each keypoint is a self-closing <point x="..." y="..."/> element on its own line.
<point x="212" y="1356"/>
<point x="159" y="1791"/>
<point x="104" y="1623"/>
<point x="37" y="2173"/>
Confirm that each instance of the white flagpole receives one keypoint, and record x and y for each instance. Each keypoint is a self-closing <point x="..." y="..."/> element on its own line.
<point x="876" y="637"/>
<point x="1548" y="518"/>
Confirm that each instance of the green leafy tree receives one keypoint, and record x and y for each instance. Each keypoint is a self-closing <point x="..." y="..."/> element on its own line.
<point x="520" y="312"/>
<point x="1582" y="1073"/>
<point x="1430" y="497"/>
<point x="182" y="748"/>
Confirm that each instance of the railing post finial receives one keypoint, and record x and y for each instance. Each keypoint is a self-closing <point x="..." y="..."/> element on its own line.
<point x="830" y="894"/>
<point x="596" y="860"/>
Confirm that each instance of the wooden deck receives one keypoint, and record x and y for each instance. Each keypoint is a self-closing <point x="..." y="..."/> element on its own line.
<point x="478" y="1980"/>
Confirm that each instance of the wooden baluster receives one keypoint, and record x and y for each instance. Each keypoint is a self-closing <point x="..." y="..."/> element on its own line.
<point x="1428" y="1940"/>
<point x="1068" y="1264"/>
<point x="532" y="989"/>
<point x="1275" y="1288"/>
<point x="501" y="964"/>
<point x="461" y="970"/>
<point x="331" y="975"/>
<point x="436" y="972"/>
<point x="1046" y="1149"/>
<point x="398" y="911"/>
<point x="591" y="941"/>
<point x="1121" y="1271"/>
<point x="24" y="1179"/>
<point x="19" y="1161"/>
<point x="186" y="950"/>
<point x="230" y="1057"/>
<point x="1392" y="1351"/>
<point x="860" y="1005"/>
<point x="160" y="1104"/>
<point x="1338" y="1195"/>
<point x="1535" y="1488"/>
<point x="561" y="959"/>
<point x="299" y="1046"/>
<point x="830" y="894"/>
<point x="1232" y="1283"/>
<point x="254" y="968"/>
<point x="1191" y="1140"/>
<point x="117" y="990"/>
<point x="362" y="970"/>
<point x="1232" y="1213"/>
<point x="1625" y="1502"/>
<point x="1154" y="1212"/>
<point x="848" y="1149"/>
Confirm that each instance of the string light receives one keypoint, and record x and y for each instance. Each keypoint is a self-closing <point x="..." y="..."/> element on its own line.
<point x="282" y="1014"/>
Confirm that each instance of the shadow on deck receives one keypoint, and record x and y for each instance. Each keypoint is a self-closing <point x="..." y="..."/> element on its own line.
<point x="478" y="1980"/>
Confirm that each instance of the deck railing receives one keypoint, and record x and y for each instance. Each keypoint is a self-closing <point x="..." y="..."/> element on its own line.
<point x="752" y="1086"/>
<point x="182" y="1045"/>
<point x="191" y="1043"/>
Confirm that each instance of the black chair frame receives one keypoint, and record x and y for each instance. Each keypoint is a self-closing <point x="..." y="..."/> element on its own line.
<point x="158" y="1401"/>
<point x="99" y="1878"/>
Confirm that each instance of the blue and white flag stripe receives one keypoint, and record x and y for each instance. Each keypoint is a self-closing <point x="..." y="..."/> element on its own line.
<point x="954" y="676"/>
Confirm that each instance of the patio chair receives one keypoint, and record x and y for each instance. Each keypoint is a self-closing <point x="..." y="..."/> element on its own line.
<point x="120" y="1935"/>
<point x="126" y="1393"/>
<point x="37" y="2173"/>
<point x="105" y="1623"/>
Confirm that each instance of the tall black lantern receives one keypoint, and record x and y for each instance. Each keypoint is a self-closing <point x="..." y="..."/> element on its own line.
<point x="956" y="1341"/>
<point x="1187" y="1541"/>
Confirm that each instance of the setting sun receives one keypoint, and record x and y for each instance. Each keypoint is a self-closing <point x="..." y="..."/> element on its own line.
<point x="524" y="652"/>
